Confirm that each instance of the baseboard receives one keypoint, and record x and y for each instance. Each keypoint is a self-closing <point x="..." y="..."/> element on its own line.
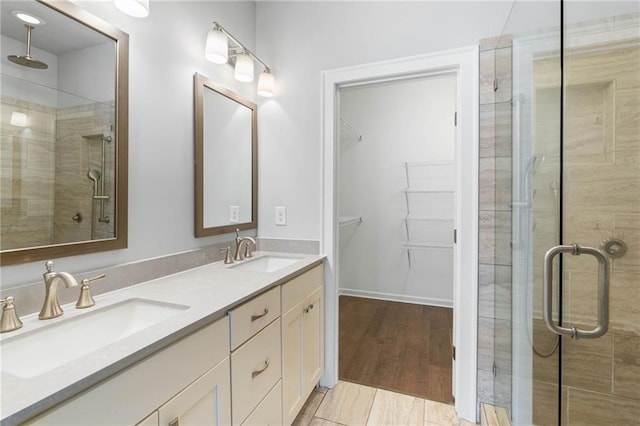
<point x="391" y="297"/>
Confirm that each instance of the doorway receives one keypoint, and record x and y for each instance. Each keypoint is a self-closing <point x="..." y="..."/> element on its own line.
<point x="464" y="64"/>
<point x="396" y="190"/>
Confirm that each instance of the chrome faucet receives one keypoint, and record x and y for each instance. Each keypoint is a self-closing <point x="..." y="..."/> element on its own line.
<point x="239" y="241"/>
<point x="51" y="308"/>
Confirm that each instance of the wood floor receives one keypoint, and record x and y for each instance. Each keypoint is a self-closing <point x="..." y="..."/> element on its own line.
<point x="400" y="347"/>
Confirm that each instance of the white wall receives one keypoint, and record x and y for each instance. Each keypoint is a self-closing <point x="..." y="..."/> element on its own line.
<point x="301" y="39"/>
<point x="402" y="121"/>
<point x="79" y="70"/>
<point x="166" y="49"/>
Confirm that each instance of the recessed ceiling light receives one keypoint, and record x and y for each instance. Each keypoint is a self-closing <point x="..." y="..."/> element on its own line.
<point x="27" y="17"/>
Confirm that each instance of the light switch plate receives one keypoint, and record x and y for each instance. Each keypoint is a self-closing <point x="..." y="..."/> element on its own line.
<point x="281" y="216"/>
<point x="234" y="214"/>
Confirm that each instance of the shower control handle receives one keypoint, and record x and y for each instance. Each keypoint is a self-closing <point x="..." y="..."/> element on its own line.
<point x="603" y="292"/>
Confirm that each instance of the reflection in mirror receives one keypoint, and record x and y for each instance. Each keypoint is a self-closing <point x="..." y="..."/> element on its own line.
<point x="64" y="132"/>
<point x="226" y="160"/>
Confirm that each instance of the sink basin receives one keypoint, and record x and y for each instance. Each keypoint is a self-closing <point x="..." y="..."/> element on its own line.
<point x="267" y="263"/>
<point x="44" y="349"/>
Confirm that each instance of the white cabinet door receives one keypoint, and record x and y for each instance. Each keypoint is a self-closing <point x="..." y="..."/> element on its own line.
<point x="292" y="387"/>
<point x="302" y="341"/>
<point x="313" y="341"/>
<point x="207" y="401"/>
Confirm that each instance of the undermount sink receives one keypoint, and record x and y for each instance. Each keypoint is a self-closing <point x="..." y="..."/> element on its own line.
<point x="269" y="263"/>
<point x="37" y="352"/>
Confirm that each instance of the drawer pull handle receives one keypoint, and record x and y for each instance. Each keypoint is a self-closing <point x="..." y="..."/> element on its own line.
<point x="256" y="373"/>
<point x="257" y="317"/>
<point x="175" y="422"/>
<point x="308" y="308"/>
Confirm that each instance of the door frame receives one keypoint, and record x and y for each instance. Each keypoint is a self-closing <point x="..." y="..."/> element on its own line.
<point x="464" y="62"/>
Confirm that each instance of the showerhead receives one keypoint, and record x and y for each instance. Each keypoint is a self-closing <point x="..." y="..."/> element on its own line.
<point x="26" y="60"/>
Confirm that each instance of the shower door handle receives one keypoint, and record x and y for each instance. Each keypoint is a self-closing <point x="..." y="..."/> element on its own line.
<point x="603" y="292"/>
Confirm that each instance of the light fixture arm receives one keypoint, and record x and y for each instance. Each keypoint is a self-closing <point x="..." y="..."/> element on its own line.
<point x="217" y="26"/>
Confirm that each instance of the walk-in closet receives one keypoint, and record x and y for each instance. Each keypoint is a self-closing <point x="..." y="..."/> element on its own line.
<point x="396" y="204"/>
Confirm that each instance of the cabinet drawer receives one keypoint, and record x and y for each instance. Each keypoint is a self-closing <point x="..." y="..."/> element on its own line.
<point x="269" y="411"/>
<point x="300" y="287"/>
<point x="255" y="368"/>
<point x="251" y="317"/>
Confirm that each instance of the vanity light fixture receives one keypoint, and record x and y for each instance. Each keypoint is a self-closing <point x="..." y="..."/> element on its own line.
<point x="221" y="48"/>
<point x="135" y="8"/>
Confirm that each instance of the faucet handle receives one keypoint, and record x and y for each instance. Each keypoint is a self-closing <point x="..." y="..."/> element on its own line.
<point x="227" y="258"/>
<point x="9" y="320"/>
<point x="85" y="300"/>
<point x="49" y="265"/>
<point x="247" y="250"/>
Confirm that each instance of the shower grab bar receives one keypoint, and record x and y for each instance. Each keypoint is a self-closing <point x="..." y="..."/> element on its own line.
<point x="603" y="292"/>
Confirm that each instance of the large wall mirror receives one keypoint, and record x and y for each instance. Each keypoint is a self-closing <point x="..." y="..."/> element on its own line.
<point x="226" y="151"/>
<point x="64" y="89"/>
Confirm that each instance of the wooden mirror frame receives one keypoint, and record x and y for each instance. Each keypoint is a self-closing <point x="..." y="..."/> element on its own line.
<point x="121" y="39"/>
<point x="200" y="82"/>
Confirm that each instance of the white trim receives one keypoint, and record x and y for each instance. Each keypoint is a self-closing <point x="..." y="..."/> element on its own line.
<point x="464" y="62"/>
<point x="392" y="297"/>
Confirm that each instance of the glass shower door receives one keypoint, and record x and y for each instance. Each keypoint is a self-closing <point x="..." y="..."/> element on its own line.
<point x="601" y="209"/>
<point x="576" y="180"/>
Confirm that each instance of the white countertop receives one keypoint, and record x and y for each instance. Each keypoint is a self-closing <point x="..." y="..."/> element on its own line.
<point x="209" y="291"/>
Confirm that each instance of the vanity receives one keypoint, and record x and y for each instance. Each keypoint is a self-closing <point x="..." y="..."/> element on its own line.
<point x="218" y="344"/>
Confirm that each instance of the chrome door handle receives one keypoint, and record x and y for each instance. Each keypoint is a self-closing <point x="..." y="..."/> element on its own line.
<point x="603" y="292"/>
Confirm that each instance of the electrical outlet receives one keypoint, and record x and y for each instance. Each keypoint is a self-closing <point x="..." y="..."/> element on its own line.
<point x="234" y="214"/>
<point x="281" y="216"/>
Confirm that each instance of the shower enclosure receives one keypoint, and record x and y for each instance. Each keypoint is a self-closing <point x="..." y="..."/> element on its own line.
<point x="569" y="353"/>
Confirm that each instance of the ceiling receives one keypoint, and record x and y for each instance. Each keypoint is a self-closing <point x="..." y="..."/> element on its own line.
<point x="59" y="34"/>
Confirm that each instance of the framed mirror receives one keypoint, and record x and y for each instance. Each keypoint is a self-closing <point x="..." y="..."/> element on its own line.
<point x="226" y="160"/>
<point x="64" y="129"/>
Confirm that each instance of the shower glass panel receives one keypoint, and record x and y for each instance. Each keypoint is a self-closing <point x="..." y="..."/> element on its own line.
<point x="536" y="206"/>
<point x="601" y="209"/>
<point x="576" y="180"/>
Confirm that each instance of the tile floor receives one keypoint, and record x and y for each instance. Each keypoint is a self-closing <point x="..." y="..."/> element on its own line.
<point x="351" y="404"/>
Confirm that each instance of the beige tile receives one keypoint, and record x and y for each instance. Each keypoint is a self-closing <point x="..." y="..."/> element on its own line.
<point x="309" y="409"/>
<point x="591" y="408"/>
<point x="391" y="408"/>
<point x="317" y="421"/>
<point x="545" y="403"/>
<point x="347" y="403"/>
<point x="503" y="74"/>
<point x="487" y="131"/>
<point x="588" y="364"/>
<point x="627" y="119"/>
<point x="626" y="369"/>
<point x="439" y="414"/>
<point x="624" y="303"/>
<point x="487" y="75"/>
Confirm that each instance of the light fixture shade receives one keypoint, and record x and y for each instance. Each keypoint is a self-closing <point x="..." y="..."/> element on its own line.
<point x="19" y="119"/>
<point x="244" y="68"/>
<point x="135" y="8"/>
<point x="217" y="48"/>
<point x="266" y="84"/>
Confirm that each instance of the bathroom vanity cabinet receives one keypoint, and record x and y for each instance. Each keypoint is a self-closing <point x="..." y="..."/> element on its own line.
<point x="256" y="365"/>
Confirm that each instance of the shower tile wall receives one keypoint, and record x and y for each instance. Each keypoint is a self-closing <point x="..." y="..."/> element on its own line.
<point x="494" y="298"/>
<point x="27" y="175"/>
<point x="79" y="149"/>
<point x="44" y="168"/>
